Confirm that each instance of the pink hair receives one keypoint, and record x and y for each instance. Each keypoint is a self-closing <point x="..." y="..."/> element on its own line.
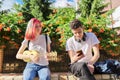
<point x="31" y="29"/>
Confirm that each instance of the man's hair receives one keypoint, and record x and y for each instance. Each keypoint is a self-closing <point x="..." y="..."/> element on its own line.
<point x="75" y="24"/>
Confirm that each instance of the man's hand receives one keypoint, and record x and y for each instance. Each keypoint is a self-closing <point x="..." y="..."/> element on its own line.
<point x="91" y="68"/>
<point x="76" y="57"/>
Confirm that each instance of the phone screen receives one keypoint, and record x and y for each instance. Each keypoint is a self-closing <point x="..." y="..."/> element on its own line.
<point x="79" y="52"/>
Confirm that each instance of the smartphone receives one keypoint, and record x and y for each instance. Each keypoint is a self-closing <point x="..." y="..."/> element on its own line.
<point x="79" y="52"/>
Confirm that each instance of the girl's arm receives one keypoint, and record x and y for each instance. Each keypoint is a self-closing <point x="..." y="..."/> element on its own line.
<point x="49" y="48"/>
<point x="20" y="55"/>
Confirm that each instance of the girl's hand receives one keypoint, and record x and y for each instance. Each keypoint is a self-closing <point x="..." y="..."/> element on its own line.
<point x="34" y="58"/>
<point x="47" y="56"/>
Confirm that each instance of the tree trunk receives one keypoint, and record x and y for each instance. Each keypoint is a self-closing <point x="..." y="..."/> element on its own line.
<point x="1" y="59"/>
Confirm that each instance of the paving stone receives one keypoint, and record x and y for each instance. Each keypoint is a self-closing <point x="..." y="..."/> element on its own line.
<point x="18" y="77"/>
<point x="56" y="76"/>
<point x="7" y="78"/>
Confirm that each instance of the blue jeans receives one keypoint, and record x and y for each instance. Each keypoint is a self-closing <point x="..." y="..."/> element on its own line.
<point x="32" y="70"/>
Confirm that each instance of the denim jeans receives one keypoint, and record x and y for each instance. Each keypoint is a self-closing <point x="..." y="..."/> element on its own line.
<point x="32" y="70"/>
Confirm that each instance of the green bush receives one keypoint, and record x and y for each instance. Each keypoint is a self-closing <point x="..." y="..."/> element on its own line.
<point x="12" y="29"/>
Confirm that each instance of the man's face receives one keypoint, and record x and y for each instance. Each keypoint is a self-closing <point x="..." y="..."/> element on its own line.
<point x="78" y="33"/>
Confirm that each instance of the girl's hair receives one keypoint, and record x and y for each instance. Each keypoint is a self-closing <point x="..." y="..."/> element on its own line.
<point x="31" y="29"/>
<point x="75" y="24"/>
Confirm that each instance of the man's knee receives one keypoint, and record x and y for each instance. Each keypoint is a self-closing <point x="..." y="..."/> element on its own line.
<point x="83" y="66"/>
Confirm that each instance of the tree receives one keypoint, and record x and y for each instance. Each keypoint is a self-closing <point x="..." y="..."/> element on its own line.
<point x="89" y="7"/>
<point x="84" y="7"/>
<point x="58" y="27"/>
<point x="12" y="29"/>
<point x="40" y="9"/>
<point x="96" y="21"/>
<point x="34" y="8"/>
<point x="3" y="11"/>
<point x="1" y="3"/>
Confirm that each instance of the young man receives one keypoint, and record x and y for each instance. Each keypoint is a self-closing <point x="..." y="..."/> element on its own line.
<point x="80" y="47"/>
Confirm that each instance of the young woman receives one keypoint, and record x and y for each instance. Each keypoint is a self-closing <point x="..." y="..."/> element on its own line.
<point x="35" y="40"/>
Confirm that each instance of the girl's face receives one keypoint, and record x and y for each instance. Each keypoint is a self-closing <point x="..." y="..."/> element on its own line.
<point x="38" y="29"/>
<point x="78" y="33"/>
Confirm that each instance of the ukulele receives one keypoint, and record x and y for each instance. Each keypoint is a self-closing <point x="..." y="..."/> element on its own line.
<point x="51" y="56"/>
<point x="30" y="52"/>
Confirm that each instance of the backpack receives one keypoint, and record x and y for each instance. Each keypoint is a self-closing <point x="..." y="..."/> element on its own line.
<point x="109" y="66"/>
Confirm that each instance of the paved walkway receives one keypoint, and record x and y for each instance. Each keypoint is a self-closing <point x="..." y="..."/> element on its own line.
<point x="54" y="76"/>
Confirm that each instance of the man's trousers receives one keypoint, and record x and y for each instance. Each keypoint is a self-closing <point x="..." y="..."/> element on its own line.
<point x="80" y="70"/>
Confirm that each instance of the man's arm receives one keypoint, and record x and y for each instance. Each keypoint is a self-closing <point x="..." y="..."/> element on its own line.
<point x="96" y="54"/>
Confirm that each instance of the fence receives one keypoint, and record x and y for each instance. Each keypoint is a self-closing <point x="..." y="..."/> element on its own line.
<point x="58" y="63"/>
